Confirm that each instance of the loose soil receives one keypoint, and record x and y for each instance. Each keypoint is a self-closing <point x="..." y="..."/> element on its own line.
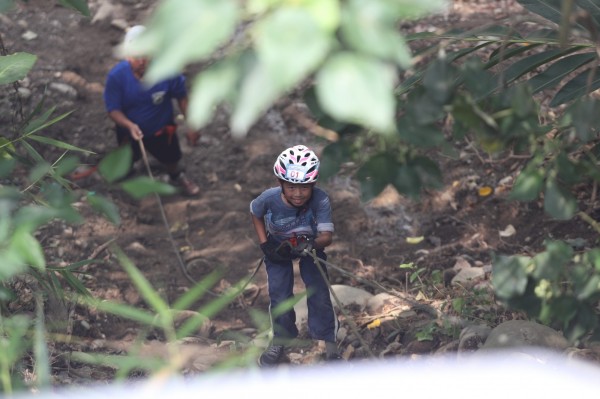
<point x="214" y="229"/>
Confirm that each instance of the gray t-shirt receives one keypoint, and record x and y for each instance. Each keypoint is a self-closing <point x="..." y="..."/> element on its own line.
<point x="284" y="221"/>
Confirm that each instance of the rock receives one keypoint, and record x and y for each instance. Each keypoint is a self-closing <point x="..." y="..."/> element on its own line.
<point x="64" y="88"/>
<point x="29" y="35"/>
<point x="386" y="303"/>
<point x="521" y="333"/>
<point x="347" y="296"/>
<point x="468" y="275"/>
<point x="473" y="337"/>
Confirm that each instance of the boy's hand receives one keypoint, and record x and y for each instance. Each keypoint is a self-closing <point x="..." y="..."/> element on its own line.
<point x="274" y="252"/>
<point x="304" y="244"/>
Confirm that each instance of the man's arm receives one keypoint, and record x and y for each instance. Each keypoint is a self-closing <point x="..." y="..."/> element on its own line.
<point x="120" y="119"/>
<point x="192" y="136"/>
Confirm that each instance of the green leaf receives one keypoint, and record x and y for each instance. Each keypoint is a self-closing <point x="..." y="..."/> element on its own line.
<point x="586" y="320"/>
<point x="7" y="149"/>
<point x="105" y="207"/>
<point x="558" y="202"/>
<point x="424" y="136"/>
<point x="428" y="171"/>
<point x="332" y="156"/>
<point x="210" y="88"/>
<point x="550" y="264"/>
<point x="116" y="164"/>
<point x="358" y="89"/>
<point x="196" y="292"/>
<point x="130" y="312"/>
<point x="78" y="5"/>
<point x="439" y="81"/>
<point x="65" y="165"/>
<point x="40" y="123"/>
<point x="326" y="12"/>
<point x="6" y="5"/>
<point x="12" y="263"/>
<point x="506" y="53"/>
<point x="290" y="44"/>
<point x="31" y="217"/>
<point x="410" y="9"/>
<point x="15" y="331"/>
<point x="182" y="32"/>
<point x="144" y="185"/>
<point x="577" y="87"/>
<point x="549" y="9"/>
<point x="28" y="248"/>
<point x="150" y="295"/>
<point x="40" y="348"/>
<point x="15" y="67"/>
<point x="257" y="93"/>
<point x="569" y="171"/>
<point x="38" y="171"/>
<point x="6" y="166"/>
<point x="532" y="62"/>
<point x="590" y="290"/>
<point x="509" y="276"/>
<point x="58" y="144"/>
<point x="370" y="27"/>
<point x="73" y="282"/>
<point x="407" y="181"/>
<point x="379" y="171"/>
<point x="560" y="69"/>
<point x="585" y="116"/>
<point x="529" y="184"/>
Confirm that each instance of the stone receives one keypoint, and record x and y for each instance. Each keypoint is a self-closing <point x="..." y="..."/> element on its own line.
<point x="523" y="333"/>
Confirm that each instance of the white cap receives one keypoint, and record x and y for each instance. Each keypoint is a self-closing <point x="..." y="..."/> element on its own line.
<point x="133" y="33"/>
<point x="127" y="48"/>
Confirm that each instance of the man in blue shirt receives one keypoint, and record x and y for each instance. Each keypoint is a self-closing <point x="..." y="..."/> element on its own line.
<point x="146" y="114"/>
<point x="290" y="221"/>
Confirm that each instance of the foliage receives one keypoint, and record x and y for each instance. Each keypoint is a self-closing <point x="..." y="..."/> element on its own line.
<point x="160" y="316"/>
<point x="35" y="192"/>
<point x="557" y="286"/>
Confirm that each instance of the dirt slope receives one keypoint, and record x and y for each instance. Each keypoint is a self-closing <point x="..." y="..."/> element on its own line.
<point x="74" y="57"/>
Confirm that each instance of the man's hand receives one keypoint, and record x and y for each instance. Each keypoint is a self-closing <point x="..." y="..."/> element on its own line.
<point x="192" y="138"/>
<point x="136" y="132"/>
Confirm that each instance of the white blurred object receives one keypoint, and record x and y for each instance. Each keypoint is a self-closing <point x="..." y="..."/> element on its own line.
<point x="490" y="375"/>
<point x="133" y="33"/>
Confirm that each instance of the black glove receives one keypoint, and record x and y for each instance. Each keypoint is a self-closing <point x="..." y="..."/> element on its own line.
<point x="276" y="252"/>
<point x="303" y="245"/>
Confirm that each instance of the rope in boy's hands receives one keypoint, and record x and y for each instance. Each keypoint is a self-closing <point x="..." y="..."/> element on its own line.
<point x="303" y="245"/>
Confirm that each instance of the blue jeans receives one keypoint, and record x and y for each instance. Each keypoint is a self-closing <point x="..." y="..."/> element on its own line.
<point x="322" y="321"/>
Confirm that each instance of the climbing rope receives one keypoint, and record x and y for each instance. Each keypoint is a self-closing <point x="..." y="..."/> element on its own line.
<point x="166" y="222"/>
<point x="351" y="323"/>
<point x="318" y="262"/>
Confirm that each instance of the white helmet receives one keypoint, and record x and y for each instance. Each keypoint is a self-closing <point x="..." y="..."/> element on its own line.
<point x="133" y="33"/>
<point x="297" y="164"/>
<point x="128" y="47"/>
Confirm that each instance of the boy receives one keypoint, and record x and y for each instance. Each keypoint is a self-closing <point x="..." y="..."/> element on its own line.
<point x="290" y="221"/>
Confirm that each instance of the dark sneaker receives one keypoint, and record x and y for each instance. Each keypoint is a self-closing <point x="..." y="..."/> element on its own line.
<point x="271" y="356"/>
<point x="188" y="187"/>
